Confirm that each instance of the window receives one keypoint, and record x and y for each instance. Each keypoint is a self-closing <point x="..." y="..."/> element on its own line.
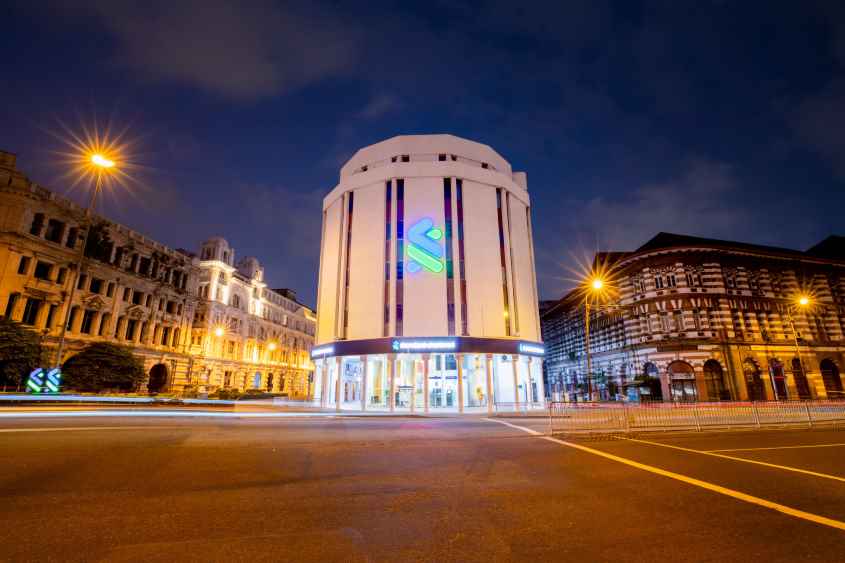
<point x="80" y="282"/>
<point x="87" y="321"/>
<point x="485" y="165"/>
<point x="42" y="270"/>
<point x="127" y="293"/>
<point x="61" y="276"/>
<point x="671" y="281"/>
<point x="23" y="265"/>
<point x="51" y="314"/>
<point x="37" y="224"/>
<point x="30" y="311"/>
<point x="110" y="289"/>
<point x="678" y="321"/>
<point x="137" y="297"/>
<point x="148" y="301"/>
<point x="131" y="325"/>
<point x="96" y="285"/>
<point x="406" y="158"/>
<point x="72" y="318"/>
<point x="171" y="307"/>
<point x="236" y="301"/>
<point x="72" y="235"/>
<point x="441" y="158"/>
<point x="10" y="304"/>
<point x="55" y="231"/>
<point x="658" y="282"/>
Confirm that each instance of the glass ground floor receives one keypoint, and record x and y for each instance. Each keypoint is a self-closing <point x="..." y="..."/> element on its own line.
<point x="434" y="382"/>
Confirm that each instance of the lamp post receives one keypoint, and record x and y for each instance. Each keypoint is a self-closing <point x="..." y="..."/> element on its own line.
<point x="101" y="165"/>
<point x="595" y="287"/>
<point x="802" y="302"/>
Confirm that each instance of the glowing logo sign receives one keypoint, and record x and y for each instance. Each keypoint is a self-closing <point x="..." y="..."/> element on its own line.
<point x="424" y="249"/>
<point x="532" y="349"/>
<point x="39" y="382"/>
<point x="423" y="345"/>
<point x="322" y="351"/>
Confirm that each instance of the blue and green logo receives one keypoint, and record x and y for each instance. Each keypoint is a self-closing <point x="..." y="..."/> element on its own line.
<point x="424" y="249"/>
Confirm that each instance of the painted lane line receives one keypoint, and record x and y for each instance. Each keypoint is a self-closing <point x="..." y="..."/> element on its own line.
<point x="75" y="428"/>
<point x="777" y="448"/>
<point x="810" y="517"/>
<point x="742" y="459"/>
<point x="158" y="413"/>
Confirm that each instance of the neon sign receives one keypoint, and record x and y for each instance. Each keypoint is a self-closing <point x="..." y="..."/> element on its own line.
<point x="40" y="382"/>
<point x="323" y="351"/>
<point x="423" y="345"/>
<point x="532" y="349"/>
<point x="424" y="249"/>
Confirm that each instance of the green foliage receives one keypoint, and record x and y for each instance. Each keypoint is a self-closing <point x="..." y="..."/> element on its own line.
<point x="102" y="366"/>
<point x="20" y="353"/>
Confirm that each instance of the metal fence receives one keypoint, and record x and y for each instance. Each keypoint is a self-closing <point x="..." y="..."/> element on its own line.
<point x="645" y="417"/>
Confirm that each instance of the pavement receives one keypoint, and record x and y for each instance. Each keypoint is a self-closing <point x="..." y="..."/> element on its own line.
<point x="342" y="488"/>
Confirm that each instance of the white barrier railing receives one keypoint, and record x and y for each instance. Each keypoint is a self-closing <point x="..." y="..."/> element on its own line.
<point x="623" y="417"/>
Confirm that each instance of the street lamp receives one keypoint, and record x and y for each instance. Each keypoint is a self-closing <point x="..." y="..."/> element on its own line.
<point x="596" y="287"/>
<point x="99" y="165"/>
<point x="803" y="301"/>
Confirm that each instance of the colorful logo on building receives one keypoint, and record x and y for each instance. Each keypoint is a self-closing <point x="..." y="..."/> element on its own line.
<point x="424" y="249"/>
<point x="41" y="382"/>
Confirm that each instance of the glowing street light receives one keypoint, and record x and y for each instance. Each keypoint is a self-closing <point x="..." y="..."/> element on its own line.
<point x="803" y="301"/>
<point x="271" y="346"/>
<point x="101" y="161"/>
<point x="218" y="332"/>
<point x="597" y="284"/>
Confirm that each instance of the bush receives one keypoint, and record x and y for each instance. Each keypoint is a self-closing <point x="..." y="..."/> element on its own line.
<point x="102" y="366"/>
<point x="20" y="353"/>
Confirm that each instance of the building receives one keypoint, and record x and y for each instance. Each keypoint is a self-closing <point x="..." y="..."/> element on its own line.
<point x="701" y="319"/>
<point x="246" y="335"/>
<point x="137" y="292"/>
<point x="427" y="294"/>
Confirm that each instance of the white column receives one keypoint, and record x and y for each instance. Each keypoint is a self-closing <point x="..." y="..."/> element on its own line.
<point x="489" y="367"/>
<point x="365" y="375"/>
<point x="425" y="382"/>
<point x="413" y="386"/>
<point x="460" y="362"/>
<point x="514" y="360"/>
<point x="324" y="383"/>
<point x="337" y="384"/>
<point x="391" y="371"/>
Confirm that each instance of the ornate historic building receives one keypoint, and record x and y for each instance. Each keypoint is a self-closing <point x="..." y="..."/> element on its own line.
<point x="699" y="319"/>
<point x="134" y="291"/>
<point x="246" y="334"/>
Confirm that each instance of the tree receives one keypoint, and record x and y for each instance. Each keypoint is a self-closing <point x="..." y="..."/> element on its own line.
<point x="20" y="353"/>
<point x="103" y="366"/>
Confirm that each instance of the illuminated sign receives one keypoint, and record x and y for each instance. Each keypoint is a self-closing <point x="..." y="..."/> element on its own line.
<point x="531" y="349"/>
<point x="323" y="351"/>
<point x="424" y="249"/>
<point x="423" y="345"/>
<point x="40" y="382"/>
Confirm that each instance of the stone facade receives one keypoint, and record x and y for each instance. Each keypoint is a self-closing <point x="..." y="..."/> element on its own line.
<point x="699" y="319"/>
<point x="134" y="291"/>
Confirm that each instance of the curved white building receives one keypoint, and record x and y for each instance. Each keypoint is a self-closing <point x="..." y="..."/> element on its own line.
<point x="427" y="294"/>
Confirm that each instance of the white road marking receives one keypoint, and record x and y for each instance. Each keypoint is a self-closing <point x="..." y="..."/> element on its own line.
<point x="73" y="428"/>
<point x="810" y="517"/>
<point x="778" y="448"/>
<point x="742" y="459"/>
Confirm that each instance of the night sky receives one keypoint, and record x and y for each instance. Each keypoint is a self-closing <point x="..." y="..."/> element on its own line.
<point x="719" y="119"/>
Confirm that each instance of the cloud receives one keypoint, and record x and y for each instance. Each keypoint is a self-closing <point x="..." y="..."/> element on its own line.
<point x="380" y="105"/>
<point x="819" y="121"/>
<point x="694" y="203"/>
<point x="240" y="50"/>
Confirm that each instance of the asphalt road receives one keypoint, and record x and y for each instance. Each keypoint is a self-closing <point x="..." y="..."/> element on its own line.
<point x="411" y="489"/>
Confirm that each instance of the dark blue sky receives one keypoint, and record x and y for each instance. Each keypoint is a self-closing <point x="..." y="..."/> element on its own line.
<point x="720" y="119"/>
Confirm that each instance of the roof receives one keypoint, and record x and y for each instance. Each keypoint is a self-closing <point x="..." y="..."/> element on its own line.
<point x="832" y="247"/>
<point x="672" y="240"/>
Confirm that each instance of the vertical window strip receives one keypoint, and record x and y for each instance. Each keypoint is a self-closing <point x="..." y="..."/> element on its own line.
<point x="506" y="312"/>
<point x="388" y="207"/>
<point x="350" y="205"/>
<point x="400" y="253"/>
<point x="513" y="270"/>
<point x="461" y="260"/>
<point x="531" y="256"/>
<point x="450" y="270"/>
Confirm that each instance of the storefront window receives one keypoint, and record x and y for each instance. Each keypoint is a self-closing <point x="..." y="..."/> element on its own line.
<point x="351" y="381"/>
<point x="377" y="383"/>
<point x="475" y="380"/>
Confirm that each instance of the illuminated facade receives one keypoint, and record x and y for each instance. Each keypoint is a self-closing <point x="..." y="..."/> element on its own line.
<point x="701" y="319"/>
<point x="427" y="294"/>
<point x="167" y="305"/>
<point x="246" y="334"/>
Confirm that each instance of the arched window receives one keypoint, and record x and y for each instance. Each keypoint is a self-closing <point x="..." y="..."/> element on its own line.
<point x="831" y="379"/>
<point x="753" y="382"/>
<point x="682" y="381"/>
<point x="800" y="378"/>
<point x="778" y="379"/>
<point x="650" y="388"/>
<point x="714" y="377"/>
